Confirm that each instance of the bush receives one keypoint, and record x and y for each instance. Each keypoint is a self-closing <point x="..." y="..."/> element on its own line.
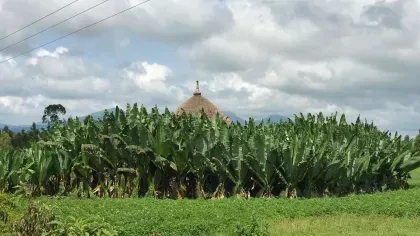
<point x="75" y="227"/>
<point x="254" y="229"/>
<point x="35" y="221"/>
<point x="39" y="220"/>
<point x="10" y="211"/>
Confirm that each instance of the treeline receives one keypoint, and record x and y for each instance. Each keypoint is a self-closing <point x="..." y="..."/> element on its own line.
<point x="131" y="153"/>
<point x="22" y="139"/>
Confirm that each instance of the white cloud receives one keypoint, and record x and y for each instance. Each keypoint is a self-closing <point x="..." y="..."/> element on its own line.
<point x="253" y="57"/>
<point x="148" y="77"/>
<point x="42" y="53"/>
<point x="356" y="57"/>
<point x="233" y="82"/>
<point x="32" y="86"/>
<point x="169" y="20"/>
<point x="19" y="105"/>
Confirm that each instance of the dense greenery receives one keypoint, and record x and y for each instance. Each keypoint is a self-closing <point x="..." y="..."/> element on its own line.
<point x="127" y="153"/>
<point x="21" y="216"/>
<point x="228" y="216"/>
<point x="22" y="139"/>
<point x="388" y="213"/>
<point x="346" y="225"/>
<point x="52" y="114"/>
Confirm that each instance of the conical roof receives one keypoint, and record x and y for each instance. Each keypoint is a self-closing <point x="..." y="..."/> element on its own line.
<point x="197" y="102"/>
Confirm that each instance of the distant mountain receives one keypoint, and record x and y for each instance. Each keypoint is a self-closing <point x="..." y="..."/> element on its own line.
<point x="18" y="128"/>
<point x="275" y="118"/>
<point x="97" y="115"/>
<point x="39" y="125"/>
<point x="234" y="117"/>
<point x="100" y="114"/>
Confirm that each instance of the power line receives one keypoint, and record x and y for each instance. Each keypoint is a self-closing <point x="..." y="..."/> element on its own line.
<point x="55" y="40"/>
<point x="38" y="20"/>
<point x="90" y="8"/>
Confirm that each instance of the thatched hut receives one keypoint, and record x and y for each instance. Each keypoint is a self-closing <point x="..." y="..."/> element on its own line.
<point x="197" y="102"/>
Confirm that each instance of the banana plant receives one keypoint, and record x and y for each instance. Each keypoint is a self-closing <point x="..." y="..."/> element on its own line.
<point x="12" y="168"/>
<point x="42" y="167"/>
<point x="262" y="160"/>
<point x="295" y="160"/>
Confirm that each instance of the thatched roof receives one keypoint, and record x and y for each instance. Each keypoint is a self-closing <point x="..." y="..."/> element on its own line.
<point x="197" y="102"/>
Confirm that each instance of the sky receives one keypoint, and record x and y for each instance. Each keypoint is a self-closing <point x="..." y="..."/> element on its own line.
<point x="252" y="57"/>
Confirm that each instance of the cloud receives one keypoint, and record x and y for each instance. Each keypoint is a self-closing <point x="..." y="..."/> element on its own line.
<point x="357" y="57"/>
<point x="252" y="57"/>
<point x="20" y="105"/>
<point x="148" y="77"/>
<point x="56" y="64"/>
<point x="32" y="85"/>
<point x="170" y="20"/>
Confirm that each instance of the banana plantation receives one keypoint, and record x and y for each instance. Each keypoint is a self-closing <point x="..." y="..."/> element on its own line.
<point x="137" y="153"/>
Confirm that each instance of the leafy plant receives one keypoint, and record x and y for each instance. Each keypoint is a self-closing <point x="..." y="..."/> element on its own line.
<point x="125" y="153"/>
<point x="75" y="227"/>
<point x="34" y="222"/>
<point x="254" y="229"/>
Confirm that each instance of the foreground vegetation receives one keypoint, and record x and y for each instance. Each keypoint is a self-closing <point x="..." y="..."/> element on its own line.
<point x="192" y="217"/>
<point x="388" y="213"/>
<point x="125" y="154"/>
<point x="86" y="178"/>
<point x="347" y="224"/>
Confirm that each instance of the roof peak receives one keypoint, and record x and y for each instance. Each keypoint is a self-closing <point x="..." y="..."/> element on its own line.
<point x="197" y="89"/>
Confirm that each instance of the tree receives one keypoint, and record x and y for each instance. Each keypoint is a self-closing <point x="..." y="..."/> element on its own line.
<point x="5" y="141"/>
<point x="33" y="128"/>
<point x="7" y="130"/>
<point x="52" y="114"/>
<point x="33" y="133"/>
<point x="20" y="140"/>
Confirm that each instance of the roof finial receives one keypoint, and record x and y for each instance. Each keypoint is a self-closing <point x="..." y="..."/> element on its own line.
<point x="197" y="89"/>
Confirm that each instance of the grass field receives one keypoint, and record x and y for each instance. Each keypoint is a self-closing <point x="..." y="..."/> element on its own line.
<point x="389" y="213"/>
<point x="415" y="179"/>
<point x="347" y="224"/>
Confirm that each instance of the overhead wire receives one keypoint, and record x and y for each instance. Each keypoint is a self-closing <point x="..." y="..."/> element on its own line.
<point x="95" y="23"/>
<point x="90" y="8"/>
<point x="38" y="20"/>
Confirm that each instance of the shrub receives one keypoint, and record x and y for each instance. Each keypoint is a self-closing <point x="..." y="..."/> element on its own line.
<point x="75" y="227"/>
<point x="34" y="222"/>
<point x="253" y="229"/>
<point x="39" y="220"/>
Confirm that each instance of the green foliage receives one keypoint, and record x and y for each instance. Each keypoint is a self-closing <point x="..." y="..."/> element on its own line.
<point x="6" y="206"/>
<point x="221" y="217"/>
<point x="22" y="139"/>
<point x="416" y="145"/>
<point x="124" y="154"/>
<point x="346" y="225"/>
<point x="254" y="229"/>
<point x="38" y="219"/>
<point x="34" y="222"/>
<point x="52" y="114"/>
<point x="76" y="226"/>
<point x="5" y="141"/>
<point x="12" y="209"/>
